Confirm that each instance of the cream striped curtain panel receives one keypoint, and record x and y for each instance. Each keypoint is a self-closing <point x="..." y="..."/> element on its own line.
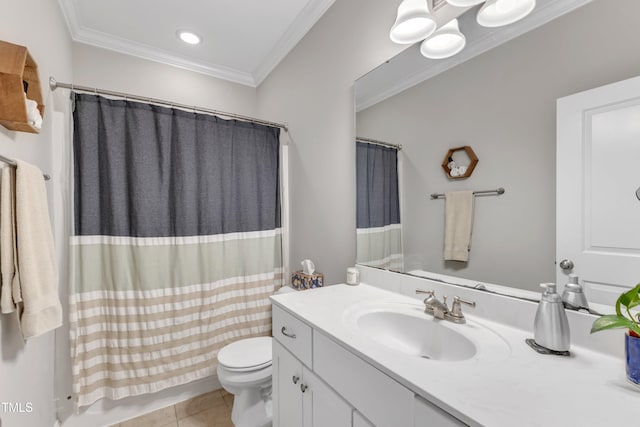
<point x="176" y="246"/>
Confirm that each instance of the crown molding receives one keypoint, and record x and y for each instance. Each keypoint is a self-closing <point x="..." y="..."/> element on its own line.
<point x="311" y="13"/>
<point x="95" y="38"/>
<point x="139" y="50"/>
<point x="544" y="13"/>
<point x="305" y="20"/>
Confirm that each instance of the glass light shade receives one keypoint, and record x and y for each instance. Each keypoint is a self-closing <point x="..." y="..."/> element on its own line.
<point x="496" y="13"/>
<point x="189" y="37"/>
<point x="445" y="42"/>
<point x="413" y="23"/>
<point x="464" y="3"/>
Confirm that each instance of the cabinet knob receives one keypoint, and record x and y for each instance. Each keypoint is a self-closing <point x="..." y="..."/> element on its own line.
<point x="287" y="334"/>
<point x="303" y="387"/>
<point x="295" y="379"/>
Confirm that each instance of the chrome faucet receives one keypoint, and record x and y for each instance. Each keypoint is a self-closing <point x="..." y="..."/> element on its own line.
<point x="439" y="310"/>
<point x="432" y="305"/>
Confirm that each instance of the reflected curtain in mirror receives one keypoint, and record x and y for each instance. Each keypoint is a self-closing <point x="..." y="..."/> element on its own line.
<point x="379" y="232"/>
<point x="177" y="243"/>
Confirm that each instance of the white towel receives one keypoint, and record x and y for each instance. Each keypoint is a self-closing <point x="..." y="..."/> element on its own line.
<point x="10" y="292"/>
<point x="458" y="224"/>
<point x="33" y="114"/>
<point x="36" y="256"/>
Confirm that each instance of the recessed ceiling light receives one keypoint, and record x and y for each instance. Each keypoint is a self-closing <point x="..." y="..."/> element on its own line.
<point x="188" y="37"/>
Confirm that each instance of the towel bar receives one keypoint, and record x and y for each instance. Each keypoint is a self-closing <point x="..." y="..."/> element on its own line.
<point x="497" y="191"/>
<point x="13" y="163"/>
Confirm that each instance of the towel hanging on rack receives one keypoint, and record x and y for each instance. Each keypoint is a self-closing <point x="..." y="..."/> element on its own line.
<point x="13" y="164"/>
<point x="458" y="225"/>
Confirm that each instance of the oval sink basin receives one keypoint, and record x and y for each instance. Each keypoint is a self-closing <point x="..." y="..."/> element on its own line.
<point x="413" y="336"/>
<point x="406" y="329"/>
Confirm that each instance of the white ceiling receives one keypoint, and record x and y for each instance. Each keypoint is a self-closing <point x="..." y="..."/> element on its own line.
<point x="242" y="40"/>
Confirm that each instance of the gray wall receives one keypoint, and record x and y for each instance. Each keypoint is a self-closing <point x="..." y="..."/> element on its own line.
<point x="107" y="69"/>
<point x="312" y="91"/>
<point x="27" y="370"/>
<point x="502" y="104"/>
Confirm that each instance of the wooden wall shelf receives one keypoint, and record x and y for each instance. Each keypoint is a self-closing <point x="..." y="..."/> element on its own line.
<point x="16" y="66"/>
<point x="469" y="167"/>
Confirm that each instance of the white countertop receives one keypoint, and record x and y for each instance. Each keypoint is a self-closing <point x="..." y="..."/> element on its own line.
<point x="523" y="388"/>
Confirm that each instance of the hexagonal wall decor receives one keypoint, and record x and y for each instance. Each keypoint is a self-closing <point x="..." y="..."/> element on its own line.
<point x="459" y="169"/>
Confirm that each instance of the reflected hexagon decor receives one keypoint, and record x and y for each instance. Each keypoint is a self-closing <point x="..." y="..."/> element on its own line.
<point x="460" y="165"/>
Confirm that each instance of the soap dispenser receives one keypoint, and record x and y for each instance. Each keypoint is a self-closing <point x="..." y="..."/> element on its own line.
<point x="573" y="296"/>
<point x="551" y="326"/>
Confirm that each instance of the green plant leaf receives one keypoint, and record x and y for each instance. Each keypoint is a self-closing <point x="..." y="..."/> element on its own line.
<point x="630" y="298"/>
<point x="635" y="297"/>
<point x="612" y="321"/>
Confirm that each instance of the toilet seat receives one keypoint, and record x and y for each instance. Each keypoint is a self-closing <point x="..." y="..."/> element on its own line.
<point x="246" y="355"/>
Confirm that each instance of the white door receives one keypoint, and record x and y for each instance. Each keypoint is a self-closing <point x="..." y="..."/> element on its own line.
<point x="598" y="182"/>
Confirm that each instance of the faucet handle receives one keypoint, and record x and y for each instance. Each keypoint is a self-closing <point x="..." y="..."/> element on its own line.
<point x="456" y="309"/>
<point x="431" y="295"/>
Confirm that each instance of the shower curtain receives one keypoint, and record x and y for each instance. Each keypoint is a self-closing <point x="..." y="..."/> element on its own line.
<point x="176" y="246"/>
<point x="379" y="233"/>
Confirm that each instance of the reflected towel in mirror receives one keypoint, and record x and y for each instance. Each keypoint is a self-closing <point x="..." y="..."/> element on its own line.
<point x="458" y="225"/>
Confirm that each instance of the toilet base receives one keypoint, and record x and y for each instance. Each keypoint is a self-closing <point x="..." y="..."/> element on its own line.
<point x="252" y="408"/>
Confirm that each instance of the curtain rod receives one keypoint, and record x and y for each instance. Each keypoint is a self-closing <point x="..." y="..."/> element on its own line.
<point x="54" y="84"/>
<point x="496" y="191"/>
<point x="13" y="163"/>
<point x="376" y="142"/>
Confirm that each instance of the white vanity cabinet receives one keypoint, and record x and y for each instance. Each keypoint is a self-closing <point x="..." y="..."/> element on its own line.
<point x="319" y="383"/>
<point x="301" y="398"/>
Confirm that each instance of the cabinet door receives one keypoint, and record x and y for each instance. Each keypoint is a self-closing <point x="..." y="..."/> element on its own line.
<point x="360" y="421"/>
<point x="287" y="396"/>
<point x="323" y="407"/>
<point x="429" y="415"/>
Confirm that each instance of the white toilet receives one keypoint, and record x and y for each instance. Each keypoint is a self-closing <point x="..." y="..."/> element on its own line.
<point x="244" y="370"/>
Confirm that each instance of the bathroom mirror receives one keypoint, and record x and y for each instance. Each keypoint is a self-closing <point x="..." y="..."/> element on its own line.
<point x="500" y="98"/>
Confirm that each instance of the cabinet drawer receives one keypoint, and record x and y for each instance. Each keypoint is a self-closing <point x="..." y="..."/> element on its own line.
<point x="382" y="400"/>
<point x="293" y="334"/>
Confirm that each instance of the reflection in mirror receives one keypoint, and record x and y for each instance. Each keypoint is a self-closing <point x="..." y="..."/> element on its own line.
<point x="379" y="234"/>
<point x="502" y="103"/>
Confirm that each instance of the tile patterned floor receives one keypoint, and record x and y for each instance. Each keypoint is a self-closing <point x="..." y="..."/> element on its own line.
<point x="208" y="410"/>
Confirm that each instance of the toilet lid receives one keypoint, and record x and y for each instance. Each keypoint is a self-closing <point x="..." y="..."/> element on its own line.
<point x="246" y="354"/>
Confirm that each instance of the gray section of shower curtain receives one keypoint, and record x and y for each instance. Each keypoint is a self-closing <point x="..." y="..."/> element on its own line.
<point x="168" y="172"/>
<point x="378" y="203"/>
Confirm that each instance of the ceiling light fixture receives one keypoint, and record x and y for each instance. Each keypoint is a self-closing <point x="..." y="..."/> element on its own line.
<point x="445" y="42"/>
<point x="413" y="23"/>
<point x="464" y="3"/>
<point x="496" y="13"/>
<point x="189" y="37"/>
